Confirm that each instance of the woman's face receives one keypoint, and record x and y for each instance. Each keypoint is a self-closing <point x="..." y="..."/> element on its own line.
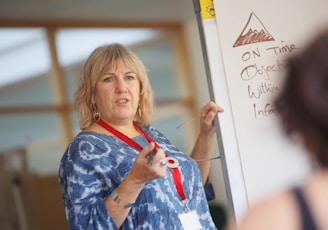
<point x="117" y="94"/>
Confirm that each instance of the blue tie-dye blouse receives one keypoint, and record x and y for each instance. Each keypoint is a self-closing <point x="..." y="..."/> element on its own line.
<point x="94" y="164"/>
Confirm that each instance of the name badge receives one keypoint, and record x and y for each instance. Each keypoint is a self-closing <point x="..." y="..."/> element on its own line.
<point x="190" y="221"/>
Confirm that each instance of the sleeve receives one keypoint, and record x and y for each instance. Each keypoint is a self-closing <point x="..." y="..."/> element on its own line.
<point x="84" y="188"/>
<point x="209" y="190"/>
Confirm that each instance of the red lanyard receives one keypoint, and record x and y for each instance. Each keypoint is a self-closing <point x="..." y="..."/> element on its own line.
<point x="174" y="171"/>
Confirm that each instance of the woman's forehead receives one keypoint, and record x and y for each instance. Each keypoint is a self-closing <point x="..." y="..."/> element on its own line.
<point x="118" y="65"/>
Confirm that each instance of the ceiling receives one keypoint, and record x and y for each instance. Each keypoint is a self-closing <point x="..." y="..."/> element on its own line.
<point x="16" y="12"/>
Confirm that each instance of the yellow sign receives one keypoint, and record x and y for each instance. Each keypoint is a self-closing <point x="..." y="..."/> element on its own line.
<point x="207" y="9"/>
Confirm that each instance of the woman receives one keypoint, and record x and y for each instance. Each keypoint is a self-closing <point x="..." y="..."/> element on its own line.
<point x="120" y="172"/>
<point x="303" y="109"/>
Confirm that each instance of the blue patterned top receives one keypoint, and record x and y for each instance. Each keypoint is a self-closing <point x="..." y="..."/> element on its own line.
<point x="94" y="164"/>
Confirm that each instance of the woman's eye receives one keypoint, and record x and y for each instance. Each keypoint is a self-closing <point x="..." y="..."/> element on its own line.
<point x="130" y="77"/>
<point x="108" y="79"/>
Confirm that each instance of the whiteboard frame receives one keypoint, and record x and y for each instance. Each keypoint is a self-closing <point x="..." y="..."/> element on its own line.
<point x="225" y="128"/>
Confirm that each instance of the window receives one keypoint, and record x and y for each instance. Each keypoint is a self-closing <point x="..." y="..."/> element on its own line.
<point x="32" y="117"/>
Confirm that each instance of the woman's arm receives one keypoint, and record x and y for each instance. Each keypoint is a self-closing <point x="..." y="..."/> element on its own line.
<point x="86" y="196"/>
<point x="125" y="194"/>
<point x="204" y="143"/>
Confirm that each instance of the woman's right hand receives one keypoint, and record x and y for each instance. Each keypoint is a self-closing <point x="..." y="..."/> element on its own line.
<point x="131" y="186"/>
<point x="142" y="171"/>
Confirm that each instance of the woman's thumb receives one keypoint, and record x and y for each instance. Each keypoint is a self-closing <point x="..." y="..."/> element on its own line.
<point x="147" y="149"/>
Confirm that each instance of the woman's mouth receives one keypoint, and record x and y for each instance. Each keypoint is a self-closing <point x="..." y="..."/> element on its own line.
<point x="122" y="101"/>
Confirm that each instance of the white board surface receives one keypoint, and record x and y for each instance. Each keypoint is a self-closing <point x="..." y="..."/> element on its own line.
<point x="247" y="52"/>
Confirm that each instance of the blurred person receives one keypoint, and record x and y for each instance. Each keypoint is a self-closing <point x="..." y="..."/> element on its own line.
<point x="120" y="172"/>
<point x="302" y="106"/>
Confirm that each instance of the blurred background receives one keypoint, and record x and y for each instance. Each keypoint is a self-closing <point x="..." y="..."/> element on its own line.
<point x="43" y="45"/>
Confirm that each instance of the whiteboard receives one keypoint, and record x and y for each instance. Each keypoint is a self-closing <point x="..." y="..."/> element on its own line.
<point x="247" y="44"/>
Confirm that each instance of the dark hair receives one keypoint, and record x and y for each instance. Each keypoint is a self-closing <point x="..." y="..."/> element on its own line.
<point x="303" y="101"/>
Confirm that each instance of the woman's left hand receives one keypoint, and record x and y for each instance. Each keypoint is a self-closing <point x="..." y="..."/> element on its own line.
<point x="208" y="113"/>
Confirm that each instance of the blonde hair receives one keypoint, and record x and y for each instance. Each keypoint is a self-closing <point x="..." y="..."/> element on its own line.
<point x="104" y="57"/>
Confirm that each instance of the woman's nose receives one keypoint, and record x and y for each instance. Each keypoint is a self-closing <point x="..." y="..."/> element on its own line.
<point x="121" y="87"/>
<point x="121" y="90"/>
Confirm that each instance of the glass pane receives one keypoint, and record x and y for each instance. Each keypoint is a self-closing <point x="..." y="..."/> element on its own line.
<point x="44" y="155"/>
<point x="74" y="45"/>
<point x="23" y="53"/>
<point x="17" y="130"/>
<point x="38" y="134"/>
<point x="168" y="120"/>
<point x="159" y="60"/>
<point x="168" y="127"/>
<point x="34" y="91"/>
<point x="72" y="76"/>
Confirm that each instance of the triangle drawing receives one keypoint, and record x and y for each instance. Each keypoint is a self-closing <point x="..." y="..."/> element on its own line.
<point x="253" y="32"/>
